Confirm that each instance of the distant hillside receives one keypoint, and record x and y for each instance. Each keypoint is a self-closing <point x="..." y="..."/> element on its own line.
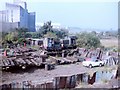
<point x="77" y="30"/>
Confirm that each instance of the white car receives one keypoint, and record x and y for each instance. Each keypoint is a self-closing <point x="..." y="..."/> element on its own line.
<point x="92" y="63"/>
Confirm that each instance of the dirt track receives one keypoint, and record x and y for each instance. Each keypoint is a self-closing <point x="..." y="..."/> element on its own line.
<point x="40" y="75"/>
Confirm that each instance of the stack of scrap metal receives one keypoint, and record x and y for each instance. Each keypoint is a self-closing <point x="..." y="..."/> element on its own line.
<point x="109" y="60"/>
<point x="23" y="59"/>
<point x="72" y="59"/>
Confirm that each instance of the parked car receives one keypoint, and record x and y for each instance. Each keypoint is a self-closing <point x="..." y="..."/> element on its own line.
<point x="93" y="63"/>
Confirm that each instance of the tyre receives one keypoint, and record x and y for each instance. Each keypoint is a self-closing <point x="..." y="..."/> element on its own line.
<point x="100" y="65"/>
<point x="90" y="66"/>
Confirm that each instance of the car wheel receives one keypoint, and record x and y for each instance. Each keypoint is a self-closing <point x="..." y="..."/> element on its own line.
<point x="90" y="66"/>
<point x="100" y="65"/>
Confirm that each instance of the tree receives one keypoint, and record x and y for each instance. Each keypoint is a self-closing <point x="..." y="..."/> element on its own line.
<point x="28" y="35"/>
<point x="47" y="27"/>
<point x="93" y="32"/>
<point x="35" y="35"/>
<point x="51" y="35"/>
<point x="21" y="32"/>
<point x="21" y="40"/>
<point x="2" y="37"/>
<point x="87" y="40"/>
<point x="61" y="33"/>
<point x="10" y="37"/>
<point x="13" y="36"/>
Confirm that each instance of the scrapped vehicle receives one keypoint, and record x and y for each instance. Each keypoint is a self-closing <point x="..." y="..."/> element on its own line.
<point x="93" y="63"/>
<point x="110" y="60"/>
<point x="80" y="59"/>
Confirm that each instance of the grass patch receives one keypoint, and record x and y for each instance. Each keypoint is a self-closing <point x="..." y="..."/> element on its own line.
<point x="104" y="80"/>
<point x="109" y="42"/>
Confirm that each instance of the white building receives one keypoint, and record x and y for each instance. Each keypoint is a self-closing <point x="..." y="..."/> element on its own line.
<point x="17" y="15"/>
<point x="4" y="24"/>
<point x="55" y="25"/>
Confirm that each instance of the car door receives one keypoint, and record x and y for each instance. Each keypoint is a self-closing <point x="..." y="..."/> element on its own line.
<point x="93" y="63"/>
<point x="97" y="62"/>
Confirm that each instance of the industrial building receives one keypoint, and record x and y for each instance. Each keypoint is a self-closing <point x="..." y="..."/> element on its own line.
<point x="16" y="15"/>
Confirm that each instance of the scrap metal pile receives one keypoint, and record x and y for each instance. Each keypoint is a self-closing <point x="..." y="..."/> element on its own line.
<point x="23" y="57"/>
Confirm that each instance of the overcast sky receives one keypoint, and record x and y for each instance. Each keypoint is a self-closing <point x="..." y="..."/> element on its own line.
<point x="99" y="14"/>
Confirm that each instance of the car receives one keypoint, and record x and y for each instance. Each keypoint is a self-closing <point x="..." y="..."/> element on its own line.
<point x="93" y="63"/>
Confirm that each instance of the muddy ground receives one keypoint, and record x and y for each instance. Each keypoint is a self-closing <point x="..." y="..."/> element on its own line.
<point x="38" y="75"/>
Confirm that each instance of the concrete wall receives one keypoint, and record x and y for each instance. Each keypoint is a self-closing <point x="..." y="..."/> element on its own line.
<point x="4" y="26"/>
<point x="13" y="12"/>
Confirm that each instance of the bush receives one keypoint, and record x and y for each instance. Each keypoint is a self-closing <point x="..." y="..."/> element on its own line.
<point x="88" y="40"/>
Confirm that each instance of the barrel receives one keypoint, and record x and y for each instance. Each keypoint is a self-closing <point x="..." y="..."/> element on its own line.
<point x="49" y="66"/>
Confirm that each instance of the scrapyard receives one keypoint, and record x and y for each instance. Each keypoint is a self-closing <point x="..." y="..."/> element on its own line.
<point x="58" y="68"/>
